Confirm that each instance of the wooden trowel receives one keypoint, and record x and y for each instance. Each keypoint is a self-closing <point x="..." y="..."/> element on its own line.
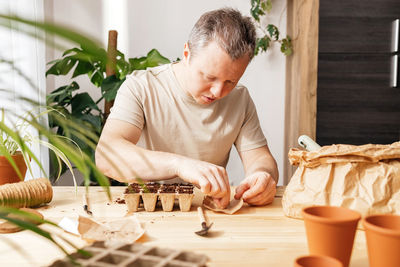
<point x="204" y="227"/>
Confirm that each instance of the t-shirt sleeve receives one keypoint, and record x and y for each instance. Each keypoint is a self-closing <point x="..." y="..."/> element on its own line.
<point x="250" y="135"/>
<point x="128" y="104"/>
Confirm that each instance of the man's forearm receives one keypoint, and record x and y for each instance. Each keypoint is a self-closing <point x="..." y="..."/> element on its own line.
<point x="264" y="164"/>
<point x="124" y="161"/>
<point x="260" y="160"/>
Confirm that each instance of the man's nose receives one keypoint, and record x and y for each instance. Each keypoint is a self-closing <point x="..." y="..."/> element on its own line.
<point x="217" y="89"/>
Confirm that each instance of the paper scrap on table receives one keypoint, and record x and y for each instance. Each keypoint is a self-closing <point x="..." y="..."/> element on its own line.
<point x="69" y="225"/>
<point x="126" y="230"/>
<point x="234" y="205"/>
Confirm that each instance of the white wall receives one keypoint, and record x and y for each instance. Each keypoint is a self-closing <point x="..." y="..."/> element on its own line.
<point x="165" y="25"/>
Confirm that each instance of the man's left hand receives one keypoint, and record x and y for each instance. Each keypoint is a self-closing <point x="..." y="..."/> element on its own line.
<point x="257" y="189"/>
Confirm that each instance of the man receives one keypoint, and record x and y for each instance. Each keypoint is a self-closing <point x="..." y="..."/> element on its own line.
<point x="188" y="114"/>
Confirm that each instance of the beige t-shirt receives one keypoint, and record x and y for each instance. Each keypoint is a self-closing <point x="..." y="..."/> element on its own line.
<point x="171" y="120"/>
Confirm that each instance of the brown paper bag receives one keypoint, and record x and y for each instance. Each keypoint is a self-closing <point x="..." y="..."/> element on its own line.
<point x="363" y="178"/>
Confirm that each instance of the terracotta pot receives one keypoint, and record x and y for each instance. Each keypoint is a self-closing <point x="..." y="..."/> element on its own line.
<point x="383" y="240"/>
<point x="7" y="172"/>
<point x="317" y="261"/>
<point x="330" y="231"/>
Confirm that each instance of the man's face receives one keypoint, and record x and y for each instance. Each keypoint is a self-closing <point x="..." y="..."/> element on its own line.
<point x="211" y="73"/>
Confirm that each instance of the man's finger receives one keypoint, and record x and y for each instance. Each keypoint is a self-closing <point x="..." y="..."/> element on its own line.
<point x="265" y="197"/>
<point x="257" y="198"/>
<point x="243" y="186"/>
<point x="205" y="185"/>
<point x="215" y="187"/>
<point x="221" y="180"/>
<point x="222" y="202"/>
<point x="257" y="188"/>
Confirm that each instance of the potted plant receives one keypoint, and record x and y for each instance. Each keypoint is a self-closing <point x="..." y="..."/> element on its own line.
<point x="15" y="152"/>
<point x="12" y="162"/>
<point x="12" y="172"/>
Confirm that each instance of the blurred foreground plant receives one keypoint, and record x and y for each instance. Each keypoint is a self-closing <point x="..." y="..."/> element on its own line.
<point x="68" y="148"/>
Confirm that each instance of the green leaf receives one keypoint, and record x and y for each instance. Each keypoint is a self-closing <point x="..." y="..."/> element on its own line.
<point x="262" y="44"/>
<point x="62" y="95"/>
<point x="83" y="67"/>
<point x="93" y="120"/>
<point x="255" y="9"/>
<point x="53" y="69"/>
<point x="122" y="66"/>
<point x="286" y="46"/>
<point x="69" y="51"/>
<point x="82" y="102"/>
<point x="273" y="31"/>
<point x="110" y="86"/>
<point x="266" y="5"/>
<point x="97" y="77"/>
<point x="154" y="58"/>
<point x="137" y="64"/>
<point x="62" y="67"/>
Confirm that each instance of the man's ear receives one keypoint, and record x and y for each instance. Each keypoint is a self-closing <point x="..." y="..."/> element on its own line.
<point x="186" y="53"/>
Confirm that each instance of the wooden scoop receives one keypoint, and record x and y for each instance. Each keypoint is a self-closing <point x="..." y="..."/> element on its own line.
<point x="204" y="227"/>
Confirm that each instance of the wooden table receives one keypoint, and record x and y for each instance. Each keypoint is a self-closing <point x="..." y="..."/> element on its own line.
<point x="254" y="236"/>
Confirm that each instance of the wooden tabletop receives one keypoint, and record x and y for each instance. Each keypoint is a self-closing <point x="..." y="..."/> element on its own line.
<point x="254" y="236"/>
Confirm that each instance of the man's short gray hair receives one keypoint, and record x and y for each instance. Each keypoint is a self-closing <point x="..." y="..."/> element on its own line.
<point x="232" y="31"/>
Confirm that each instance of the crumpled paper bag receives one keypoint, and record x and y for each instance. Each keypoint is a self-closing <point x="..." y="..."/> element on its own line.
<point x="363" y="178"/>
<point x="123" y="230"/>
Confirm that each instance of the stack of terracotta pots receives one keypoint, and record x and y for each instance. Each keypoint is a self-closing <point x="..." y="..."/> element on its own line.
<point x="330" y="234"/>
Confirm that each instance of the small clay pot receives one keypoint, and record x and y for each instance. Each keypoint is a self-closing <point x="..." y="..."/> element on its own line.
<point x="7" y="172"/>
<point x="330" y="231"/>
<point x="317" y="261"/>
<point x="383" y="240"/>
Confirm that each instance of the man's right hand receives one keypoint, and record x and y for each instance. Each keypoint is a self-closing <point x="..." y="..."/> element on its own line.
<point x="212" y="179"/>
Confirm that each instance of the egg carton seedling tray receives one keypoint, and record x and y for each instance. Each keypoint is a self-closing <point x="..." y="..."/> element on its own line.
<point x="166" y="193"/>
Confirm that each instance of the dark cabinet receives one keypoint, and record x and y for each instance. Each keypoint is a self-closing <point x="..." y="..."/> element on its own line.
<point x="356" y="103"/>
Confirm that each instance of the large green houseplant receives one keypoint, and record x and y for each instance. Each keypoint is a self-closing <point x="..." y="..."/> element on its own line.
<point x="80" y="106"/>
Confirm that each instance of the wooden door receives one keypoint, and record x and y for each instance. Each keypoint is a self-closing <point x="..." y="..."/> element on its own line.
<point x="355" y="102"/>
